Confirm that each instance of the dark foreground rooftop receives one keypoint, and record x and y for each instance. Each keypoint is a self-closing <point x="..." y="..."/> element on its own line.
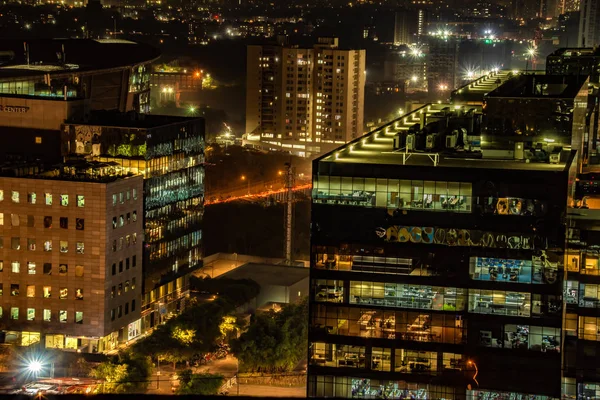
<point x="80" y="55"/>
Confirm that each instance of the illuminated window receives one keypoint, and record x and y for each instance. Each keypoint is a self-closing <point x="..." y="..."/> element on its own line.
<point x="48" y="245"/>
<point x="133" y="284"/>
<point x="78" y="294"/>
<point x="80" y="247"/>
<point x="14" y="313"/>
<point x="135" y="194"/>
<point x="63" y="269"/>
<point x="134" y="216"/>
<point x="64" y="246"/>
<point x="47" y="315"/>
<point x="1" y="265"/>
<point x="79" y="317"/>
<point x="30" y="268"/>
<point x="48" y="198"/>
<point x="64" y="200"/>
<point x="30" y="291"/>
<point x="15" y="196"/>
<point x="126" y="286"/>
<point x="47" y="292"/>
<point x="79" y="271"/>
<point x="1" y="195"/>
<point x="121" y="198"/>
<point x="121" y="220"/>
<point x="15" y="267"/>
<point x="62" y="316"/>
<point x="31" y="244"/>
<point x="114" y="222"/>
<point x="114" y="199"/>
<point x="1" y="219"/>
<point x="63" y="293"/>
<point x="31" y="198"/>
<point x="80" y="200"/>
<point x="15" y="243"/>
<point x="120" y="289"/>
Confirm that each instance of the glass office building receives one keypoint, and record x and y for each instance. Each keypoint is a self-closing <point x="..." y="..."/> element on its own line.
<point x="169" y="153"/>
<point x="436" y="273"/>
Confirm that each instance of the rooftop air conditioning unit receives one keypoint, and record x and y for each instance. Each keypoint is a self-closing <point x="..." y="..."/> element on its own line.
<point x="450" y="141"/>
<point x="411" y="142"/>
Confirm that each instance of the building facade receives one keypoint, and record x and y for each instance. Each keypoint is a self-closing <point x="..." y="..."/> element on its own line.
<point x="169" y="153"/>
<point x="71" y="251"/>
<point x="433" y="275"/>
<point x="304" y="100"/>
<point x="589" y="24"/>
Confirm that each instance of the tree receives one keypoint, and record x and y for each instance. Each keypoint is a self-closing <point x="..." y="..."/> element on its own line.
<point x="127" y="373"/>
<point x="200" y="384"/>
<point x="274" y="342"/>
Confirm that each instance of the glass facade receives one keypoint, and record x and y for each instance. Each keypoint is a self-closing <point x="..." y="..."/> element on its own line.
<point x="170" y="156"/>
<point x="407" y="303"/>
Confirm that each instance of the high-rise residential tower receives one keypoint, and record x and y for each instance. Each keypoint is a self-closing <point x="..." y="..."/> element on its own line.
<point x="304" y="100"/>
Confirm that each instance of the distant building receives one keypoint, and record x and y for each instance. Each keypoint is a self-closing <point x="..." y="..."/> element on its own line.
<point x="71" y="251"/>
<point x="589" y="23"/>
<point x="175" y="84"/>
<point x="402" y="23"/>
<point x="304" y="100"/>
<point x="442" y="66"/>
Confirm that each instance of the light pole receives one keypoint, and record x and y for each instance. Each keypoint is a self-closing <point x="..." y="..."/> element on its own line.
<point x="247" y="181"/>
<point x="531" y="52"/>
<point x="470" y="362"/>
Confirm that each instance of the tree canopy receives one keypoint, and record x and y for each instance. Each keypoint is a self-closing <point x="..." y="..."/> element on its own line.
<point x="128" y="372"/>
<point x="202" y="384"/>
<point x="274" y="341"/>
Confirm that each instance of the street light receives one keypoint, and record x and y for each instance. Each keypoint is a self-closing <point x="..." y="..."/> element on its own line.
<point x="532" y="52"/>
<point x="34" y="366"/>
<point x="247" y="181"/>
<point x="471" y="362"/>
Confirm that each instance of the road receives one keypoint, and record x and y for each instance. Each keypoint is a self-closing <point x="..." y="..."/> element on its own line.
<point x="255" y="195"/>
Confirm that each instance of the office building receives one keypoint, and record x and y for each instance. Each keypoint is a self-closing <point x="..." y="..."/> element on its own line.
<point x="440" y="273"/>
<point x="402" y="22"/>
<point x="589" y="24"/>
<point x="167" y="151"/>
<point x="304" y="100"/>
<point x="71" y="256"/>
<point x="173" y="84"/>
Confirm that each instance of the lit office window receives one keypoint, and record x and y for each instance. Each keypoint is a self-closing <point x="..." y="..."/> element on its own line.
<point x="31" y="314"/>
<point x="64" y="200"/>
<point x="16" y="267"/>
<point x="48" y="245"/>
<point x="78" y="294"/>
<point x="14" y="196"/>
<point x="80" y="248"/>
<point x="31" y="198"/>
<point x="64" y="246"/>
<point x="63" y="294"/>
<point x="80" y="200"/>
<point x="31" y="244"/>
<point x="47" y="292"/>
<point x="31" y="268"/>
<point x="48" y="198"/>
<point x="79" y="317"/>
<point x="63" y="269"/>
<point x="30" y="291"/>
<point x="14" y="313"/>
<point x="47" y="315"/>
<point x="62" y="316"/>
<point x="14" y="289"/>
<point x="79" y="271"/>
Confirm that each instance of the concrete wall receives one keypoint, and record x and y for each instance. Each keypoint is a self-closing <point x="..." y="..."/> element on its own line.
<point x="37" y="113"/>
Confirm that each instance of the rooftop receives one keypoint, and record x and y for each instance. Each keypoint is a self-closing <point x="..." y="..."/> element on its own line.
<point x="77" y="170"/>
<point x="269" y="274"/>
<point x="540" y="86"/>
<point x="576" y="52"/>
<point x="477" y="89"/>
<point x="80" y="55"/>
<point x="377" y="146"/>
<point x="130" y="120"/>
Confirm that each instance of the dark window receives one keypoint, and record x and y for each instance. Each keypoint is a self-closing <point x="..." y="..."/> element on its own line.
<point x="114" y="269"/>
<point x="47" y="269"/>
<point x="120" y="266"/>
<point x="120" y="312"/>
<point x="133" y="261"/>
<point x="126" y="308"/>
<point x="79" y="224"/>
<point x="132" y="305"/>
<point x="126" y="263"/>
<point x="114" y="222"/>
<point x="47" y="222"/>
<point x="112" y="314"/>
<point x="64" y="222"/>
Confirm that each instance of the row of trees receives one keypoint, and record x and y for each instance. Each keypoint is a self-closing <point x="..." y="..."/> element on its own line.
<point x="128" y="372"/>
<point x="199" y="327"/>
<point x="274" y="341"/>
